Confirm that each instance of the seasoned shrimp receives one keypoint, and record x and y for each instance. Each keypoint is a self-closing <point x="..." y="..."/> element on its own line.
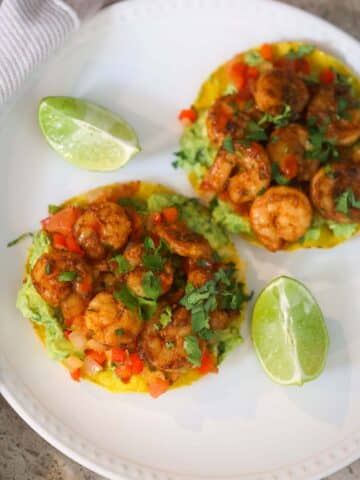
<point x="282" y="214"/>
<point x="102" y="226"/>
<point x="58" y="273"/>
<point x="253" y="173"/>
<point x="327" y="187"/>
<point x="110" y="322"/>
<point x="229" y="116"/>
<point x="164" y="348"/>
<point x="324" y="108"/>
<point x="183" y="241"/>
<point x="276" y="88"/>
<point x="287" y="148"/>
<point x="220" y="319"/>
<point x="135" y="279"/>
<point x="134" y="254"/>
<point x="72" y="306"/>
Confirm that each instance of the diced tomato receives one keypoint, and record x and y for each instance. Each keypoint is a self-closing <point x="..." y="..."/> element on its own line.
<point x="208" y="363"/>
<point x="62" y="221"/>
<point x="124" y="373"/>
<point x="59" y="241"/>
<point x="85" y="285"/>
<point x="266" y="51"/>
<point x="67" y="333"/>
<point x="170" y="214"/>
<point x="158" y="386"/>
<point x="290" y="166"/>
<point x="72" y="244"/>
<point x="157" y="218"/>
<point x="68" y="322"/>
<point x="253" y="72"/>
<point x="327" y="77"/>
<point x="137" y="365"/>
<point x="98" y="357"/>
<point x="238" y="74"/>
<point x="119" y="355"/>
<point x="302" y="66"/>
<point x="75" y="375"/>
<point x="187" y="115"/>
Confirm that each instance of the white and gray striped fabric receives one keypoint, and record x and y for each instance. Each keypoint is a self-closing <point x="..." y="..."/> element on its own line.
<point x="29" y="31"/>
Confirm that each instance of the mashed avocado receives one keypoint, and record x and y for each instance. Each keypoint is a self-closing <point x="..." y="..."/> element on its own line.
<point x="34" y="308"/>
<point x="194" y="215"/>
<point x="196" y="154"/>
<point x="224" y="215"/>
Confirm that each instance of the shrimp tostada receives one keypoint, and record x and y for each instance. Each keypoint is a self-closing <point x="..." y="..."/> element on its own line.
<point x="134" y="288"/>
<point x="272" y="142"/>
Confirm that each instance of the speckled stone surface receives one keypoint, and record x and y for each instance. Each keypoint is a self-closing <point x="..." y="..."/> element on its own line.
<point x="23" y="454"/>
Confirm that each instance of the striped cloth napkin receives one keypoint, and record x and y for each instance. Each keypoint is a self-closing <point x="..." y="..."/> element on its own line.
<point x="30" y="30"/>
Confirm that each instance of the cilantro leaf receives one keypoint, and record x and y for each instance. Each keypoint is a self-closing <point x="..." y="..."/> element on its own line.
<point x="254" y="132"/>
<point x="302" y="51"/>
<point x="165" y="317"/>
<point x="127" y="298"/>
<point x="67" y="276"/>
<point x="329" y="171"/>
<point x="278" y="120"/>
<point x="341" y="107"/>
<point x="123" y="266"/>
<point x="119" y="332"/>
<point x="20" y="238"/>
<point x="228" y="144"/>
<point x="147" y="308"/>
<point x="151" y="285"/>
<point x="149" y="244"/>
<point x="322" y="148"/>
<point x="169" y="345"/>
<point x="192" y="348"/>
<point x="277" y="176"/>
<point x="199" y="319"/>
<point x="137" y="204"/>
<point x="154" y="262"/>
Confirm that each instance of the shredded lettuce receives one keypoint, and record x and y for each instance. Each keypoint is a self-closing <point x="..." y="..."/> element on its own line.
<point x="342" y="230"/>
<point x="34" y="308"/>
<point x="224" y="215"/>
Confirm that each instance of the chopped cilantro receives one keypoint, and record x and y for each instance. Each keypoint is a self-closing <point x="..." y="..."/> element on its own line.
<point x="20" y="238"/>
<point x="165" y="317"/>
<point x="127" y="298"/>
<point x="278" y="120"/>
<point x="149" y="244"/>
<point x="341" y="107"/>
<point x="228" y="144"/>
<point x="48" y="268"/>
<point x="277" y="176"/>
<point x="253" y="58"/>
<point x="261" y="191"/>
<point x="152" y="258"/>
<point x="169" y="345"/>
<point x="151" y="285"/>
<point x="192" y="348"/>
<point x="322" y="148"/>
<point x="54" y="209"/>
<point x="119" y="332"/>
<point x="346" y="200"/>
<point x="302" y="51"/>
<point x="329" y="171"/>
<point x="137" y="204"/>
<point x="67" y="276"/>
<point x="202" y="263"/>
<point x="274" y="138"/>
<point x="254" y="132"/>
<point x="123" y="266"/>
<point x="147" y="308"/>
<point x="312" y="79"/>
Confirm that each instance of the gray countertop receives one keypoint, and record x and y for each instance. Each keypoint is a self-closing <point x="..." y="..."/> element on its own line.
<point x="24" y="455"/>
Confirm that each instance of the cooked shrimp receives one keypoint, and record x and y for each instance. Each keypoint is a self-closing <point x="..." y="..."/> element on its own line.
<point x="134" y="254"/>
<point x="220" y="171"/>
<point x="323" y="107"/>
<point x="198" y="276"/>
<point x="102" y="226"/>
<point x="277" y="88"/>
<point x="229" y="115"/>
<point x="135" y="279"/>
<point x="282" y="214"/>
<point x="287" y="148"/>
<point x="56" y="274"/>
<point x="326" y="188"/>
<point x="110" y="322"/>
<point x="253" y="173"/>
<point x="164" y="347"/>
<point x="72" y="306"/>
<point x="183" y="241"/>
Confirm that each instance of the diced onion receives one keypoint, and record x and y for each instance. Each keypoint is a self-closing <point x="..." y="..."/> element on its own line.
<point x="78" y="340"/>
<point x="94" y="345"/>
<point x="73" y="363"/>
<point x="90" y="367"/>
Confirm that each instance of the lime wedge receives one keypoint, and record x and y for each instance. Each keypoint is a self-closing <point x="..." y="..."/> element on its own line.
<point x="87" y="135"/>
<point x="289" y="332"/>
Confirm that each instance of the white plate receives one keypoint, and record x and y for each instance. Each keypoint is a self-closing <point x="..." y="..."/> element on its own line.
<point x="146" y="60"/>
